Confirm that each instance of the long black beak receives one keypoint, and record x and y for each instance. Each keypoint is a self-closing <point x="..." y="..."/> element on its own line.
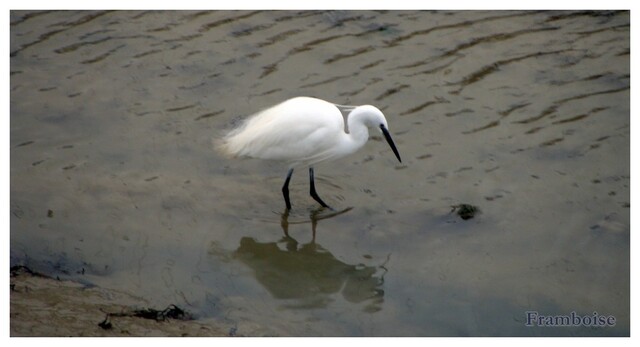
<point x="387" y="137"/>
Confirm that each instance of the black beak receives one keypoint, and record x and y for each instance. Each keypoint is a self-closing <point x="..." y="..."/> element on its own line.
<point x="387" y="137"/>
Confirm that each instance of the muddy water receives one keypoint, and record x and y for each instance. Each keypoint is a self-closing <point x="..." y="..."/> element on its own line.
<point x="523" y="114"/>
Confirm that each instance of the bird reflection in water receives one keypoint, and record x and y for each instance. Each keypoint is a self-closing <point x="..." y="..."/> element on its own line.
<point x="307" y="275"/>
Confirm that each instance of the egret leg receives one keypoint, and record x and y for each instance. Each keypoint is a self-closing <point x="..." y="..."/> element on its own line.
<point x="285" y="189"/>
<point x="312" y="184"/>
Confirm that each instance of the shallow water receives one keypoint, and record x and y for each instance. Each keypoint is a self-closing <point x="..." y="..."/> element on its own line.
<point x="523" y="114"/>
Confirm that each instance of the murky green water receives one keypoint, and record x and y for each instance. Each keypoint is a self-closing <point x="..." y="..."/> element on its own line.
<point x="523" y="114"/>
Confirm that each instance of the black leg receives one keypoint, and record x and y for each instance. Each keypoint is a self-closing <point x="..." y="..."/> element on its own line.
<point x="314" y="195"/>
<point x="284" y="222"/>
<point x="285" y="189"/>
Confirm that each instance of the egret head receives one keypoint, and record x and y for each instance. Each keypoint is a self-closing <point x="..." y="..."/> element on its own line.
<point x="372" y="117"/>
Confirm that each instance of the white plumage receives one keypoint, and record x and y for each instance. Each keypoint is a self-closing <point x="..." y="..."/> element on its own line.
<point x="304" y="131"/>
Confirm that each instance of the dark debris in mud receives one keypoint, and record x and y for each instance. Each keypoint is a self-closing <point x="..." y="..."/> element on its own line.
<point x="106" y="323"/>
<point x="171" y="312"/>
<point x="465" y="211"/>
<point x="21" y="269"/>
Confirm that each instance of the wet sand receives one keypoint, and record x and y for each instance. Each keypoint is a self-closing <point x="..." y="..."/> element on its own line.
<point x="522" y="114"/>
<point x="43" y="306"/>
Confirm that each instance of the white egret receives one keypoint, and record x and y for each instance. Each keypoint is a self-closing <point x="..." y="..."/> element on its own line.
<point x="305" y="131"/>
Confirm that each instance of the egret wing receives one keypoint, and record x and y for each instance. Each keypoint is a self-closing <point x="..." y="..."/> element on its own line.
<point x="293" y="131"/>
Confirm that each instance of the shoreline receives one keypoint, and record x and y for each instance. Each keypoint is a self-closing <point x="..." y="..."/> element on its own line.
<point x="47" y="307"/>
